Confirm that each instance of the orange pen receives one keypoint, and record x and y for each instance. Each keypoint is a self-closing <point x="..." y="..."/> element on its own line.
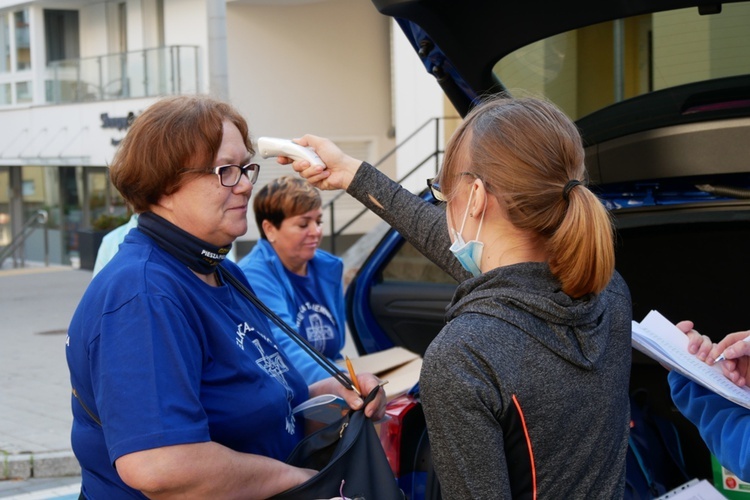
<point x="353" y="375"/>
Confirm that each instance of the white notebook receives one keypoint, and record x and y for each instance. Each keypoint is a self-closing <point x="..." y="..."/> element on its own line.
<point x="661" y="340"/>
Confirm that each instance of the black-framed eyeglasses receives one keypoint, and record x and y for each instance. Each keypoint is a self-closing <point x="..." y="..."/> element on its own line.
<point x="229" y="175"/>
<point x="437" y="193"/>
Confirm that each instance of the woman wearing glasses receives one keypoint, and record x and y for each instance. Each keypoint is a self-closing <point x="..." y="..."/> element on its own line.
<point x="179" y="387"/>
<point x="297" y="280"/>
<point x="525" y="390"/>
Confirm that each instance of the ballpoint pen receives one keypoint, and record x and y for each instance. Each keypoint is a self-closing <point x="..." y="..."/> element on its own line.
<point x="353" y="375"/>
<point x="722" y="357"/>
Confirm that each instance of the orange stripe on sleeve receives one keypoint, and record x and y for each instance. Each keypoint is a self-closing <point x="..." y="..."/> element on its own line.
<point x="528" y="444"/>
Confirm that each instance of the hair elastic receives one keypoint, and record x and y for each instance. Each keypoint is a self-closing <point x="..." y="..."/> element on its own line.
<point x="569" y="187"/>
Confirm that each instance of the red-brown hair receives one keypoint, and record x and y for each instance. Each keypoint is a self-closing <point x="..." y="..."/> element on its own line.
<point x="172" y="136"/>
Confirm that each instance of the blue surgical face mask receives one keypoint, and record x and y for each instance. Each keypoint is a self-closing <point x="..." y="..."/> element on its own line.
<point x="469" y="255"/>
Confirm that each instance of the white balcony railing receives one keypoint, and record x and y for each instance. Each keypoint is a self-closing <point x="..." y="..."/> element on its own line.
<point x="151" y="72"/>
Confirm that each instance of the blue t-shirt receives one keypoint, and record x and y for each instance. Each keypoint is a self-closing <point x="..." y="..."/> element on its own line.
<point x="313" y="320"/>
<point x="274" y="285"/>
<point x="162" y="359"/>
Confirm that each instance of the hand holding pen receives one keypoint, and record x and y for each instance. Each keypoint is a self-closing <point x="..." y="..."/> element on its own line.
<point x="358" y="388"/>
<point x="736" y="348"/>
<point x="734" y="353"/>
<point x="354" y="395"/>
<point x="732" y="346"/>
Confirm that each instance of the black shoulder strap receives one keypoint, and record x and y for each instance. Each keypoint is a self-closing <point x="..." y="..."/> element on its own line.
<point x="326" y="363"/>
<point x="91" y="413"/>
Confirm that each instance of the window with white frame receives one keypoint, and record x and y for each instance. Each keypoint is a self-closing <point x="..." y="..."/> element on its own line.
<point x="5" y="47"/>
<point x="23" y="40"/>
<point x="16" y="86"/>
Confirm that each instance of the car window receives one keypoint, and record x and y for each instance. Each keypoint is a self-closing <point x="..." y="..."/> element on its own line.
<point x="409" y="265"/>
<point x="587" y="69"/>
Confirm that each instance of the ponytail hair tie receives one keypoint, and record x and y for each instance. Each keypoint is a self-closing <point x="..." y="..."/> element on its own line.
<point x="569" y="187"/>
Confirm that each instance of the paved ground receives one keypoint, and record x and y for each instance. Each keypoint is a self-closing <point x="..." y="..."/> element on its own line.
<point x="57" y="488"/>
<point x="36" y="305"/>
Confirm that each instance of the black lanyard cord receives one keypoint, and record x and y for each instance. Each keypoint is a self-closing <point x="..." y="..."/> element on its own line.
<point x="326" y="363"/>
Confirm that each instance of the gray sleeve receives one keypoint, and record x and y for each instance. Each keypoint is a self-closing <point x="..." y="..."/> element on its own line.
<point x="421" y="223"/>
<point x="461" y="405"/>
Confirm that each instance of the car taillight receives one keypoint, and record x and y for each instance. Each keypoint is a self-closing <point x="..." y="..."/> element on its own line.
<point x="392" y="427"/>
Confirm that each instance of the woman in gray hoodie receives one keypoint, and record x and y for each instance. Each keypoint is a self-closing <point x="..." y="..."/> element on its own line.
<point x="525" y="390"/>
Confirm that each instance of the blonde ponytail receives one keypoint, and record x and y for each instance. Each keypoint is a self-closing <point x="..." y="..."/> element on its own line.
<point x="581" y="250"/>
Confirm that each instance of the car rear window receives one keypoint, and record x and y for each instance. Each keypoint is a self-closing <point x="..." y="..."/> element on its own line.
<point x="587" y="69"/>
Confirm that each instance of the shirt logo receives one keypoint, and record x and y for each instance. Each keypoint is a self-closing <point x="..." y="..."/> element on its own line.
<point x="242" y="330"/>
<point x="274" y="365"/>
<point x="320" y="323"/>
<point x="318" y="332"/>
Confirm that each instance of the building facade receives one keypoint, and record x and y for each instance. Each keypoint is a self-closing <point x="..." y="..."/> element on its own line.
<point x="75" y="73"/>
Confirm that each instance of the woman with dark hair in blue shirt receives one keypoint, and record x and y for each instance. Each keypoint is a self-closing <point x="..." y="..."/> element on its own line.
<point x="295" y="278"/>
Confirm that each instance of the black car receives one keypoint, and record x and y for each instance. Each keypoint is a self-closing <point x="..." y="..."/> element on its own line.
<point x="660" y="90"/>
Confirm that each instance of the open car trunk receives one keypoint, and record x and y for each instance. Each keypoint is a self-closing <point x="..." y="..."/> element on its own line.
<point x="687" y="264"/>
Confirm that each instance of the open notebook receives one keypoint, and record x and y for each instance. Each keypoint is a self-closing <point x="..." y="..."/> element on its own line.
<point x="661" y="340"/>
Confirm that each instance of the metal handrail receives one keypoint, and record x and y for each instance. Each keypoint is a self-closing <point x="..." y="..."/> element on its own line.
<point x="38" y="219"/>
<point x="330" y="205"/>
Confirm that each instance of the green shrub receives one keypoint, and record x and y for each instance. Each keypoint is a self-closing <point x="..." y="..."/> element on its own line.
<point x="107" y="222"/>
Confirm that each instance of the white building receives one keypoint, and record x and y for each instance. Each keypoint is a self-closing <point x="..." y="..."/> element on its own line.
<point x="73" y="73"/>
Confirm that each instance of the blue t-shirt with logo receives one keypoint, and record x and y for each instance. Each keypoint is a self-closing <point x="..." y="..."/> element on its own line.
<point x="162" y="358"/>
<point x="313" y="319"/>
<point x="313" y="304"/>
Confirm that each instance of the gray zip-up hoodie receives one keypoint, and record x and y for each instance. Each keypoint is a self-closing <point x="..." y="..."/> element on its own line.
<point x="525" y="390"/>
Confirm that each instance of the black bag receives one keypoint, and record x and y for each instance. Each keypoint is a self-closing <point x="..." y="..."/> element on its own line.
<point x="655" y="464"/>
<point x="350" y="459"/>
<point x="347" y="453"/>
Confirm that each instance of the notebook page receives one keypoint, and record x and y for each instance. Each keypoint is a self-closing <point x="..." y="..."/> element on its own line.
<point x="658" y="338"/>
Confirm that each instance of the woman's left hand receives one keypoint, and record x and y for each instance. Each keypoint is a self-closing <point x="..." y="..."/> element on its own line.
<point x="699" y="345"/>
<point x="367" y="382"/>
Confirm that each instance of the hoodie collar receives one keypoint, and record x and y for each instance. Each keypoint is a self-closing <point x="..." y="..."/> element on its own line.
<point x="529" y="297"/>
